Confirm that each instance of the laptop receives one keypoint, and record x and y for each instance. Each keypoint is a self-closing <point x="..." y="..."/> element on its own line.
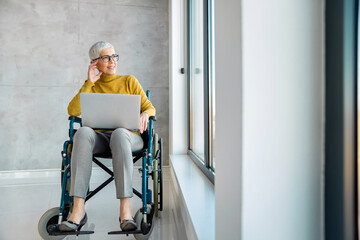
<point x="110" y="111"/>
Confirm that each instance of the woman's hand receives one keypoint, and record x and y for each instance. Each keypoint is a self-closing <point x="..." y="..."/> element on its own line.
<point x="91" y="73"/>
<point x="144" y="119"/>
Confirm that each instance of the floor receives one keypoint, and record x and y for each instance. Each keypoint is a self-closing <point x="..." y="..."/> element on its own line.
<point x="25" y="196"/>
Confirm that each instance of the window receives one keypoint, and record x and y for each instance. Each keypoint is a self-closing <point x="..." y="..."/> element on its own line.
<point x="201" y="77"/>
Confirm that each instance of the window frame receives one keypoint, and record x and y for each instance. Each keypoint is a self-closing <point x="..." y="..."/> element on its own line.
<point x="206" y="165"/>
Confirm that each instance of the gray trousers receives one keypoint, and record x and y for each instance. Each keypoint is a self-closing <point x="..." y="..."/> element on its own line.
<point x="121" y="142"/>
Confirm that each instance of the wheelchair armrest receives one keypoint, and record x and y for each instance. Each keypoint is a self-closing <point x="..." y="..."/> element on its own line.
<point x="145" y="135"/>
<point x="72" y="130"/>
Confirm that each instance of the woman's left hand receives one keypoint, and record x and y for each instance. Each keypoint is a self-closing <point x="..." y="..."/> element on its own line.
<point x="144" y="119"/>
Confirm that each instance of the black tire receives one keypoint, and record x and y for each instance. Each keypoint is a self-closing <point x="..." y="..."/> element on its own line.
<point x="160" y="167"/>
<point x="155" y="175"/>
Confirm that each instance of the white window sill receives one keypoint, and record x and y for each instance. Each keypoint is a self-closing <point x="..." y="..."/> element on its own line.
<point x="195" y="197"/>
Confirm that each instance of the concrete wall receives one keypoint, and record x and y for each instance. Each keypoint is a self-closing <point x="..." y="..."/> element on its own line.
<point x="44" y="59"/>
<point x="270" y="65"/>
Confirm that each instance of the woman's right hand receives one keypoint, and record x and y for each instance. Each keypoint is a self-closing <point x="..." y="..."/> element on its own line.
<point x="91" y="73"/>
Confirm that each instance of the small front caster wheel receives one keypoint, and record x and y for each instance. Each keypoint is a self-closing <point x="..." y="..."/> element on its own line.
<point x="141" y="226"/>
<point x="51" y="216"/>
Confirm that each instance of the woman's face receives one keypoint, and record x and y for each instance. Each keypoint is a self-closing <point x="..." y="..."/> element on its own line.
<point x="108" y="68"/>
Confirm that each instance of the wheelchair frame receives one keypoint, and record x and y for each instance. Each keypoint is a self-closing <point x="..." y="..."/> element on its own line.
<point x="147" y="156"/>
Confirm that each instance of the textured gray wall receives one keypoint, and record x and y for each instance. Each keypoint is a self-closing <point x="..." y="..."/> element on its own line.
<point x="44" y="59"/>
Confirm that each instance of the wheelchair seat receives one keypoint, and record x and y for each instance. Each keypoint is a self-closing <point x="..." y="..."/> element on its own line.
<point x="109" y="155"/>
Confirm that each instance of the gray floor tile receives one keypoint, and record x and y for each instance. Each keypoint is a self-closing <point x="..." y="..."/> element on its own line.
<point x="23" y="201"/>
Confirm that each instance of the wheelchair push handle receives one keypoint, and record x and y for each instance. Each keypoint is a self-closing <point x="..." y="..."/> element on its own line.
<point x="148" y="96"/>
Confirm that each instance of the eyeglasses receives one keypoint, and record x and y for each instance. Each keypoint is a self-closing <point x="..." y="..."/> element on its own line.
<point x="106" y="58"/>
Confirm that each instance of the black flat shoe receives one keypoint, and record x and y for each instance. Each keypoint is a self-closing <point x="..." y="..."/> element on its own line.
<point x="67" y="226"/>
<point x="128" y="225"/>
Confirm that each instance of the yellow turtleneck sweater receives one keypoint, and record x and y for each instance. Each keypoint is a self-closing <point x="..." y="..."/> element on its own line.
<point x="126" y="84"/>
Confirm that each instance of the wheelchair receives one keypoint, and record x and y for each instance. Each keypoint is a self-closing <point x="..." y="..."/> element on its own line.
<point x="152" y="201"/>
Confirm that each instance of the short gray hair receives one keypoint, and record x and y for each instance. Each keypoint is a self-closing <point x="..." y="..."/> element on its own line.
<point x="95" y="49"/>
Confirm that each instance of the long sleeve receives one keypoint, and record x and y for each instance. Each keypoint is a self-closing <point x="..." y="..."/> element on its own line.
<point x="74" y="108"/>
<point x="146" y="105"/>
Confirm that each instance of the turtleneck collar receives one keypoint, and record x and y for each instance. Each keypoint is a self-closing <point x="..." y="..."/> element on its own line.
<point x="108" y="78"/>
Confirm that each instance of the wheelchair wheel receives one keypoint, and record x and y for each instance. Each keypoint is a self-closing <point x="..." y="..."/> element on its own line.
<point x="156" y="175"/>
<point x="139" y="220"/>
<point x="51" y="216"/>
<point x="160" y="166"/>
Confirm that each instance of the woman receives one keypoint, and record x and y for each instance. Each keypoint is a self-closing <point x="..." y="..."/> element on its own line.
<point x="121" y="142"/>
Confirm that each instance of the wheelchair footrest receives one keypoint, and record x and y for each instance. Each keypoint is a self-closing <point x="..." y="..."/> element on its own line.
<point x="70" y="233"/>
<point x="125" y="232"/>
